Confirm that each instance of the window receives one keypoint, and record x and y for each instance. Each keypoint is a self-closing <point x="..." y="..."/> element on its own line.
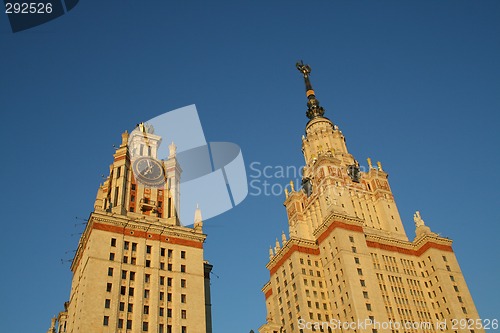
<point x="132" y="276"/>
<point x="124" y="275"/>
<point x="360" y="271"/>
<point x="183" y="314"/>
<point x="147" y="278"/>
<point x="133" y="261"/>
<point x="130" y="307"/>
<point x="145" y="326"/>
<point x="113" y="242"/>
<point x="120" y="323"/>
<point x="110" y="271"/>
<point x="108" y="287"/>
<point x="363" y="284"/>
<point x="107" y="303"/>
<point x="162" y="295"/>
<point x="133" y="187"/>
<point x="146" y="293"/>
<point x="183" y="268"/>
<point x="448" y="268"/>
<point x="162" y="252"/>
<point x="351" y="239"/>
<point x="131" y="291"/>
<point x="353" y="249"/>
<point x="148" y="263"/>
<point x="162" y="266"/>
<point x="129" y="324"/>
<point x="169" y="267"/>
<point x="125" y="245"/>
<point x="169" y="313"/>
<point x="161" y="312"/>
<point x="452" y="278"/>
<point x="148" y="249"/>
<point x="183" y="283"/>
<point x="183" y="329"/>
<point x="111" y="256"/>
<point x="125" y="259"/>
<point x="169" y="282"/>
<point x="170" y="253"/>
<point x="122" y="306"/>
<point x="365" y="294"/>
<point x="183" y="298"/>
<point x="445" y="259"/>
<point x="368" y="306"/>
<point x="105" y="321"/>
<point x="146" y="309"/>
<point x="161" y="328"/>
<point x="456" y="288"/>
<point x="134" y="246"/>
<point x="356" y="260"/>
<point x="183" y="254"/>
<point x="162" y="280"/>
<point x="169" y="297"/>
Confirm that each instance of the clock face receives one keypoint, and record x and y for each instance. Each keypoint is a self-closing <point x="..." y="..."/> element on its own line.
<point x="149" y="171"/>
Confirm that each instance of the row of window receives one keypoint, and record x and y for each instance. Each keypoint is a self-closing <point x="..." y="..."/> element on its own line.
<point x="145" y="325"/>
<point x="133" y="246"/>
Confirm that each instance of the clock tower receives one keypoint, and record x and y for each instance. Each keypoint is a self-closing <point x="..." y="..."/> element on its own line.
<point x="136" y="269"/>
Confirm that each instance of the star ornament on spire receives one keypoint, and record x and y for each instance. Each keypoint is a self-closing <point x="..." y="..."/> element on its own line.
<point x="313" y="108"/>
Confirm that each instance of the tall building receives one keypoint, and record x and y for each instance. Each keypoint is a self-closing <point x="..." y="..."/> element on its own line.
<point x="347" y="264"/>
<point x="136" y="269"/>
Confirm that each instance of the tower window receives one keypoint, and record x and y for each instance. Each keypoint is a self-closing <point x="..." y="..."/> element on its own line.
<point x="146" y="309"/>
<point x="129" y="324"/>
<point x="111" y="256"/>
<point x="351" y="239"/>
<point x="183" y="283"/>
<point x="108" y="287"/>
<point x="134" y="246"/>
<point x="148" y="249"/>
<point x="131" y="291"/>
<point x="113" y="242"/>
<point x="105" y="321"/>
<point x="183" y="268"/>
<point x="132" y="276"/>
<point x="183" y="254"/>
<point x="183" y="314"/>
<point x="107" y="303"/>
<point x="120" y="323"/>
<point x="146" y="293"/>
<point x="170" y="253"/>
<point x="183" y="298"/>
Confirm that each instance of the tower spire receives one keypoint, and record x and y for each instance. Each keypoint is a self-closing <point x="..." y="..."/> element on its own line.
<point x="313" y="108"/>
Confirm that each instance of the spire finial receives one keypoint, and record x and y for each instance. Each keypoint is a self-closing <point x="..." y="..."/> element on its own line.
<point x="313" y="108"/>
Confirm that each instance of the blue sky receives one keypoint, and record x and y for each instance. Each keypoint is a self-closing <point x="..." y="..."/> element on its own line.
<point x="414" y="84"/>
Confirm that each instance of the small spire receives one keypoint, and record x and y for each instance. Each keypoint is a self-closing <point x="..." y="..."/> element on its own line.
<point x="271" y="253"/>
<point x="313" y="108"/>
<point x="197" y="215"/>
<point x="277" y="247"/>
<point x="379" y="165"/>
<point x="283" y="237"/>
<point x="124" y="139"/>
<point x="291" y="186"/>
<point x="172" y="149"/>
<point x="369" y="160"/>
